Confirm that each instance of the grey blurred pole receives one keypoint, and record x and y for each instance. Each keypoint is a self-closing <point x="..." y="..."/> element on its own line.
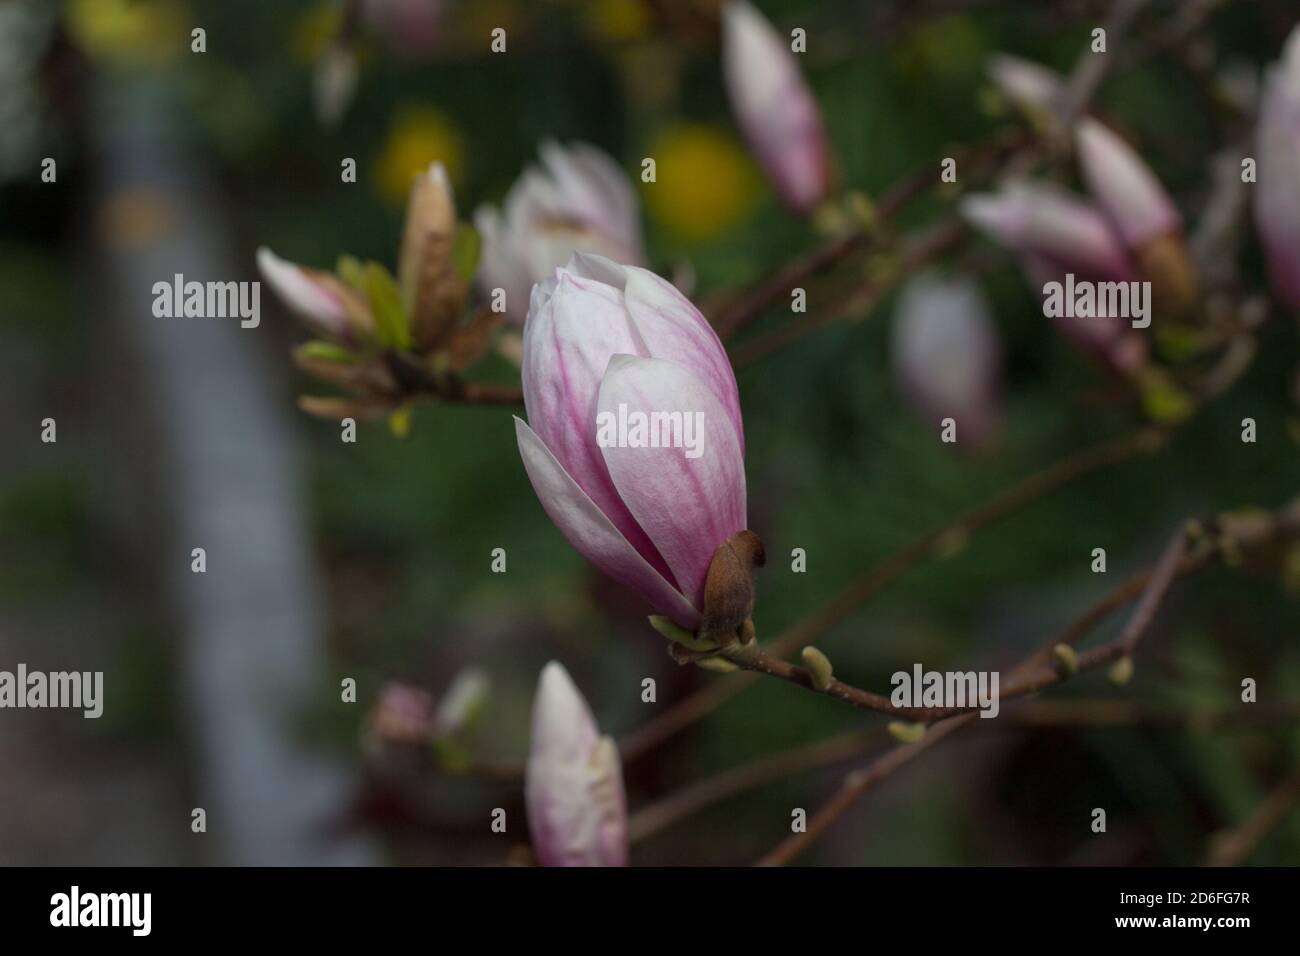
<point x="250" y="638"/>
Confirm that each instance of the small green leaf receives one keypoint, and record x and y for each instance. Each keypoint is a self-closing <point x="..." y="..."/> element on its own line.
<point x="386" y="304"/>
<point x="465" y="250"/>
<point x="679" y="635"/>
<point x="352" y="272"/>
<point x="327" y="352"/>
<point x="1164" y="401"/>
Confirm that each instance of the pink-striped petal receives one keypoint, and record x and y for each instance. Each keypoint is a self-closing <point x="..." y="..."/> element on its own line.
<point x="586" y="527"/>
<point x="687" y="505"/>
<point x="670" y="327"/>
<point x="1124" y="185"/>
<point x="574" y="326"/>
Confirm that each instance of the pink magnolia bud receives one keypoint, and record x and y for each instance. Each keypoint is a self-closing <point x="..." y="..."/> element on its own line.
<point x="1032" y="87"/>
<point x="1052" y="225"/>
<point x="318" y="298"/>
<point x="1124" y="186"/>
<point x="1277" y="194"/>
<point x="607" y="342"/>
<point x="947" y="358"/>
<point x="774" y="107"/>
<point x="578" y="201"/>
<point x="573" y="784"/>
<point x="1108" y="338"/>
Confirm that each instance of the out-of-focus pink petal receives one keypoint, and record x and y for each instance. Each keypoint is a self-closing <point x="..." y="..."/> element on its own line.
<point x="500" y="265"/>
<point x="947" y="357"/>
<point x="578" y="324"/>
<point x="594" y="536"/>
<point x="1124" y="185"/>
<point x="1277" y="192"/>
<point x="577" y="199"/>
<point x="1050" y="223"/>
<point x="688" y="506"/>
<point x="774" y="107"/>
<point x="573" y="787"/>
<point x="308" y="298"/>
<point x="1108" y="338"/>
<point x="1030" y="86"/>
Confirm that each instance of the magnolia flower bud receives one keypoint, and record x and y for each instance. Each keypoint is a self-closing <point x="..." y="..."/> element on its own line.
<point x="1052" y="225"/>
<point x="573" y="784"/>
<point x="605" y="342"/>
<point x="1109" y="338"/>
<point x="578" y="201"/>
<point x="1033" y="88"/>
<point x="433" y="292"/>
<point x="774" y="107"/>
<point x="327" y="305"/>
<point x="1124" y="186"/>
<point x="1277" y="194"/>
<point x="946" y="356"/>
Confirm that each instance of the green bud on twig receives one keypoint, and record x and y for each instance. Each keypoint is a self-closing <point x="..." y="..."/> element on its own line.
<point x="1067" y="661"/>
<point x="819" y="667"/>
<point x="906" y="733"/>
<point x="1121" y="672"/>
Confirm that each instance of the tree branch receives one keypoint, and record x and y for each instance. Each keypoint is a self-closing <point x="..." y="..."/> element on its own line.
<point x="705" y="701"/>
<point x="1032" y="676"/>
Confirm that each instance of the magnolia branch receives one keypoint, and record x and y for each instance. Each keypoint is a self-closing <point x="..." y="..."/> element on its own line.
<point x="1061" y="473"/>
<point x="1089" y="714"/>
<point x="747" y="307"/>
<point x="1157" y="583"/>
<point x="413" y="379"/>
<point x="1233" y="536"/>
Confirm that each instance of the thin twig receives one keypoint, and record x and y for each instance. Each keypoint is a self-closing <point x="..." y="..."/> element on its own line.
<point x="1031" y="676"/>
<point x="750" y="776"/>
<point x="1026" y="715"/>
<point x="916" y="251"/>
<point x="1091" y="68"/>
<point x="746" y="308"/>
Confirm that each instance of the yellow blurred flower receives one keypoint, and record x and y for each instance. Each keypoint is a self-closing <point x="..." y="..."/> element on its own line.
<point x="418" y="136"/>
<point x="705" y="184"/>
<point x="146" y="33"/>
<point x="618" y="20"/>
